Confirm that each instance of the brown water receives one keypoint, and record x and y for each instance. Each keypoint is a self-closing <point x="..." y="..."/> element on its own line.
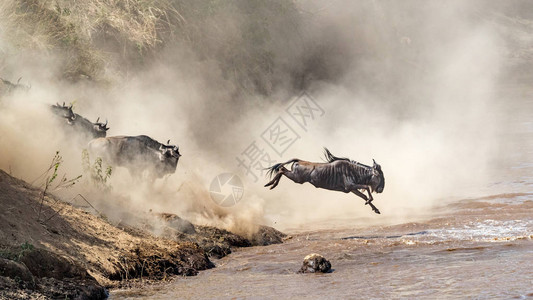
<point x="479" y="248"/>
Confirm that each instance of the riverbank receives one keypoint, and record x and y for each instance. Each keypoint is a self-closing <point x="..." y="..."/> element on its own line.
<point x="51" y="249"/>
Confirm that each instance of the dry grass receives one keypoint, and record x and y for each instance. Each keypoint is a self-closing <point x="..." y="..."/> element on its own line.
<point x="78" y="30"/>
<point x="93" y="36"/>
<point x="137" y="23"/>
<point x="33" y="26"/>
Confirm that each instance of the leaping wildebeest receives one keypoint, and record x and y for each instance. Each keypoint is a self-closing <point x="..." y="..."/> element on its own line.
<point x="337" y="174"/>
<point x="137" y="153"/>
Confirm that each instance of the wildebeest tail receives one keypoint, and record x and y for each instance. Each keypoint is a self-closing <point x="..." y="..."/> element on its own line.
<point x="275" y="168"/>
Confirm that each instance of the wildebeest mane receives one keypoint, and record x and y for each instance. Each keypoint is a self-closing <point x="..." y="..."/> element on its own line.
<point x="331" y="158"/>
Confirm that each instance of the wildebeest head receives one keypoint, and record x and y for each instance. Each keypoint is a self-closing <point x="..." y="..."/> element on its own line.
<point x="378" y="179"/>
<point x="169" y="153"/>
<point x="100" y="128"/>
<point x="64" y="111"/>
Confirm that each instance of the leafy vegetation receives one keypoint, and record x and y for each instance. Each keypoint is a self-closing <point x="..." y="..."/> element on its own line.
<point x="17" y="253"/>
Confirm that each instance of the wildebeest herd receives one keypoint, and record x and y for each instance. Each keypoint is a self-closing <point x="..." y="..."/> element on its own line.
<point x="140" y="153"/>
<point x="136" y="153"/>
<point x="79" y="124"/>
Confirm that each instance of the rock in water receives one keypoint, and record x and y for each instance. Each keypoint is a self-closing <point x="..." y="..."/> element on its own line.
<point x="315" y="263"/>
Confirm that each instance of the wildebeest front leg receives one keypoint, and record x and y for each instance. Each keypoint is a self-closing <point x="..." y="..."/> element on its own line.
<point x="358" y="193"/>
<point x="375" y="209"/>
<point x="367" y="201"/>
<point x="364" y="187"/>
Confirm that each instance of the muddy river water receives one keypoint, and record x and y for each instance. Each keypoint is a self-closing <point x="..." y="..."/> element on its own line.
<point x="473" y="248"/>
<point x="482" y="248"/>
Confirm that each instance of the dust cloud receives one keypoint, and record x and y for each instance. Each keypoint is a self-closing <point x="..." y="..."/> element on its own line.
<point x="410" y="84"/>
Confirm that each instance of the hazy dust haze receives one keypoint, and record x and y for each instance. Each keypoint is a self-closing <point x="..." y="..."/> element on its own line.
<point x="410" y="84"/>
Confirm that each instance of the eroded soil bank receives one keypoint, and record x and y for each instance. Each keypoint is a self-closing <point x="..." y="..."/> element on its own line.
<point x="51" y="249"/>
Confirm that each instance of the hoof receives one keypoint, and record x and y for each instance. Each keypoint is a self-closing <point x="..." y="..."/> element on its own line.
<point x="377" y="212"/>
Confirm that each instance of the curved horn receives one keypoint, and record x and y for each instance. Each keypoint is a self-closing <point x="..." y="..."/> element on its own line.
<point x="168" y="142"/>
<point x="105" y="123"/>
<point x="19" y="80"/>
<point x="97" y="120"/>
<point x="374" y="161"/>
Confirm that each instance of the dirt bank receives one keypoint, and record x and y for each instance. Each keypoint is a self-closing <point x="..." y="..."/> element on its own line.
<point x="52" y="249"/>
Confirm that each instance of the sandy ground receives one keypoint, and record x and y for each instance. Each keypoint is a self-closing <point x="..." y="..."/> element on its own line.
<point x="50" y="249"/>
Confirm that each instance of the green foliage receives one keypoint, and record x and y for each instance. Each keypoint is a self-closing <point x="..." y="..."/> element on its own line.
<point x="50" y="178"/>
<point x="26" y="247"/>
<point x="17" y="253"/>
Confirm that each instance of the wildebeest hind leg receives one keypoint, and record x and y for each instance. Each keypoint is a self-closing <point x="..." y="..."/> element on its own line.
<point x="274" y="182"/>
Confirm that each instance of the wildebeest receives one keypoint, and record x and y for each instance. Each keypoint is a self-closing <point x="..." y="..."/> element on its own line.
<point x="337" y="174"/>
<point x="63" y="111"/>
<point x="80" y="125"/>
<point x="8" y="87"/>
<point x="92" y="130"/>
<point x="137" y="153"/>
